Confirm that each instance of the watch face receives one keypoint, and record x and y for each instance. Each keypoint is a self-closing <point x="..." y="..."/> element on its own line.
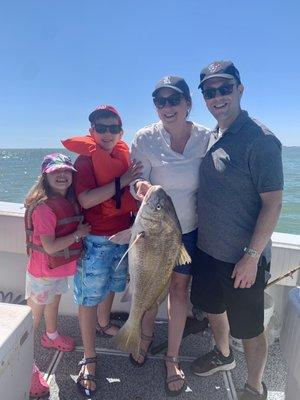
<point x="252" y="253"/>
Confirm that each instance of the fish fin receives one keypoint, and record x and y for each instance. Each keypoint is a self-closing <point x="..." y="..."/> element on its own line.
<point x="128" y="338"/>
<point x="127" y="296"/>
<point x="122" y="237"/>
<point x="138" y="236"/>
<point x="183" y="256"/>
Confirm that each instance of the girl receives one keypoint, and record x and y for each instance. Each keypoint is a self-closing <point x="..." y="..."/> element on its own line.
<point x="53" y="238"/>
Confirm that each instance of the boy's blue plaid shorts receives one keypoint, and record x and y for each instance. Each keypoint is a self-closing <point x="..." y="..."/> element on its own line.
<point x="96" y="274"/>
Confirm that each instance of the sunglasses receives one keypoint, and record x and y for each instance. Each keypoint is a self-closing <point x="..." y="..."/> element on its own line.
<point x="173" y="100"/>
<point x="224" y="90"/>
<point x="114" y="129"/>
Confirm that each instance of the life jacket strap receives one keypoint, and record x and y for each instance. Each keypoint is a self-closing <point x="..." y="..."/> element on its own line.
<point x="67" y="253"/>
<point x="65" y="221"/>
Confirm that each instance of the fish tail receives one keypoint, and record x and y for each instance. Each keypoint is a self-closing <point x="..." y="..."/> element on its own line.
<point x="129" y="337"/>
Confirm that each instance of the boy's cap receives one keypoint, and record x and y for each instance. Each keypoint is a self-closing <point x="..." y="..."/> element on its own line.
<point x="55" y="161"/>
<point x="101" y="110"/>
<point x="219" y="69"/>
<point x="175" y="83"/>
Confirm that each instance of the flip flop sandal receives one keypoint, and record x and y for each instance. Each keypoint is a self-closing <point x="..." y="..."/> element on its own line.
<point x="174" y="378"/>
<point x="38" y="386"/>
<point x="62" y="343"/>
<point x="142" y="352"/>
<point x="101" y="330"/>
<point x="86" y="377"/>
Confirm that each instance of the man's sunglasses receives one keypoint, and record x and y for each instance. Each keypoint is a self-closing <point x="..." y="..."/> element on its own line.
<point x="114" y="129"/>
<point x="173" y="100"/>
<point x="224" y="90"/>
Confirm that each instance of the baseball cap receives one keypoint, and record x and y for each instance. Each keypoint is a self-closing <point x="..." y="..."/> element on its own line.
<point x="173" y="82"/>
<point x="219" y="69"/>
<point x="55" y="161"/>
<point x="101" y="111"/>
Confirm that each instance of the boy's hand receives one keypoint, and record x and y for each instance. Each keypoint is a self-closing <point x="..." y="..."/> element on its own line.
<point x="83" y="230"/>
<point x="141" y="188"/>
<point x="134" y="172"/>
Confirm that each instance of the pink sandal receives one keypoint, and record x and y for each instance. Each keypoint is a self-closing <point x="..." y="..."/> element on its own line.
<point x="62" y="343"/>
<point x="38" y="386"/>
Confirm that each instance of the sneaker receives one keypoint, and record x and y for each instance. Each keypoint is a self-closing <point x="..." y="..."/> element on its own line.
<point x="248" y="393"/>
<point x="212" y="362"/>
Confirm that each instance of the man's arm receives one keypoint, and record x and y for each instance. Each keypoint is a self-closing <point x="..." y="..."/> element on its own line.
<point x="245" y="270"/>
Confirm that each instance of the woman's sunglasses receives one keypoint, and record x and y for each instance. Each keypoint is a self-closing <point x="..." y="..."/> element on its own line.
<point x="224" y="90"/>
<point x="114" y="129"/>
<point x="173" y="100"/>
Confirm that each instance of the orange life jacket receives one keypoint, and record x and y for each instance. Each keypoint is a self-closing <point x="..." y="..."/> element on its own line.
<point x="68" y="217"/>
<point x="107" y="167"/>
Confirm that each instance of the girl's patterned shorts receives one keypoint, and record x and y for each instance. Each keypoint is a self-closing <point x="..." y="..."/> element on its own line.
<point x="44" y="290"/>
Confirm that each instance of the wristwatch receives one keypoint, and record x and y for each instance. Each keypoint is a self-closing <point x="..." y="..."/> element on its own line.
<point x="251" y="252"/>
<point x="77" y="238"/>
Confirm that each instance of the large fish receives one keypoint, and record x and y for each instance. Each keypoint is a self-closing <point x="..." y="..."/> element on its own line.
<point x="155" y="248"/>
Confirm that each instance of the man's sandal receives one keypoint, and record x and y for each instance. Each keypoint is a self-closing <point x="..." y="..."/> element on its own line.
<point x="102" y="330"/>
<point x="86" y="377"/>
<point x="174" y="378"/>
<point x="142" y="352"/>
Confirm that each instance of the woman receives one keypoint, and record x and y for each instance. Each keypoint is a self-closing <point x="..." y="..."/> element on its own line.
<point x="171" y="151"/>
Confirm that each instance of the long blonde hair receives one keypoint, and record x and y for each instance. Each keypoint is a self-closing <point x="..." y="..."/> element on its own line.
<point x="41" y="191"/>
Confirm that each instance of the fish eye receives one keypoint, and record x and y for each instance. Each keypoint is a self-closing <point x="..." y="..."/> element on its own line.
<point x="158" y="206"/>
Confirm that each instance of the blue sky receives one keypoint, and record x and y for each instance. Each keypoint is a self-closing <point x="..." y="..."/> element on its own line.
<point x="60" y="59"/>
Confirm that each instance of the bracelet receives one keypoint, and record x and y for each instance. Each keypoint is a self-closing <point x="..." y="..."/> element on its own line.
<point x="118" y="192"/>
<point x="251" y="252"/>
<point x="76" y="237"/>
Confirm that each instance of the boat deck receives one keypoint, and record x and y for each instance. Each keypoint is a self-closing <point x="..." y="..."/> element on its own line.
<point x="118" y="379"/>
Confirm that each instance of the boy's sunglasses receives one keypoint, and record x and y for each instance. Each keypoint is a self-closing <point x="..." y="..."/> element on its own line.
<point x="173" y="100"/>
<point x="114" y="129"/>
<point x="224" y="90"/>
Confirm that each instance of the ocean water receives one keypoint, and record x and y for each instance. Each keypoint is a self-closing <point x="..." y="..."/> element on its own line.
<point x="19" y="169"/>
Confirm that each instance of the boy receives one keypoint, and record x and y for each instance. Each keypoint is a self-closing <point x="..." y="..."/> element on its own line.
<point x="104" y="172"/>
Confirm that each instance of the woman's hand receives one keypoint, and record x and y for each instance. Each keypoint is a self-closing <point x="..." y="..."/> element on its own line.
<point x="141" y="188"/>
<point x="134" y="172"/>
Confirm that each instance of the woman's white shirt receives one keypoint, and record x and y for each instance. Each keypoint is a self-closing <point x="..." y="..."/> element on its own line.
<point x="176" y="173"/>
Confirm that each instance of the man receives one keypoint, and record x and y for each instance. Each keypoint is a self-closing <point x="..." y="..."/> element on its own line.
<point x="239" y="202"/>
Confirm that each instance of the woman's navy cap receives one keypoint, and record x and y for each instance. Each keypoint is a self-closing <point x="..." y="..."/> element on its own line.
<point x="175" y="83"/>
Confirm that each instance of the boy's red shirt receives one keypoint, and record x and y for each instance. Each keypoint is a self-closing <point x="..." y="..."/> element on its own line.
<point x="85" y="180"/>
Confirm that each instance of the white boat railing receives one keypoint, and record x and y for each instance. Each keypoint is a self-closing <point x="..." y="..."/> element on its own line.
<point x="13" y="260"/>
